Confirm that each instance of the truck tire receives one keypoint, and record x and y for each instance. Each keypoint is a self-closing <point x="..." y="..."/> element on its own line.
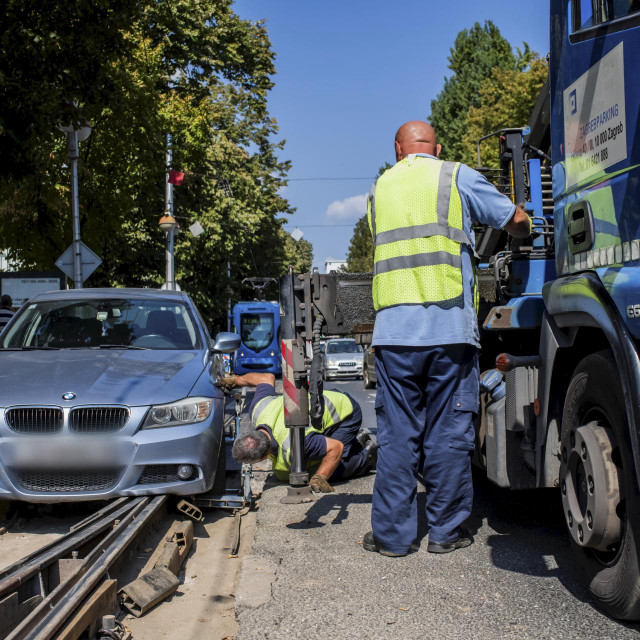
<point x="597" y="481"/>
<point x="366" y="380"/>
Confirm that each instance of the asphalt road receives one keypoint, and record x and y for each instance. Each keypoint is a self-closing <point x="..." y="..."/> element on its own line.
<point x="516" y="581"/>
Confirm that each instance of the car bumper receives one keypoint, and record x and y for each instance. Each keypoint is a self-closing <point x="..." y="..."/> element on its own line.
<point x="99" y="468"/>
<point x="342" y="372"/>
<point x="257" y="365"/>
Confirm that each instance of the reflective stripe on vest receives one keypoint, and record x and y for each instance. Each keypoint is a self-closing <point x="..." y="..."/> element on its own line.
<point x="415" y="215"/>
<point x="269" y="411"/>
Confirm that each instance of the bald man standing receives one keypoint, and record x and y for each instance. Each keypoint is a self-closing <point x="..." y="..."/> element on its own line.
<point x="421" y="215"/>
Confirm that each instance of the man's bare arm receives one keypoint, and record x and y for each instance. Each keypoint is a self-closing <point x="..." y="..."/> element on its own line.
<point x="331" y="459"/>
<point x="520" y="224"/>
<point x="254" y="379"/>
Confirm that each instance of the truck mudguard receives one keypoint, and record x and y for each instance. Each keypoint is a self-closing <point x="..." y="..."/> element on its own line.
<point x="582" y="301"/>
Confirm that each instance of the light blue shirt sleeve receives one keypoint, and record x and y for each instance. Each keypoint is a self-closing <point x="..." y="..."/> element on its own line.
<point x="485" y="203"/>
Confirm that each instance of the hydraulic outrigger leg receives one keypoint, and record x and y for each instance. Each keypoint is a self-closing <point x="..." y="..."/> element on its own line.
<point x="309" y="303"/>
<point x="294" y="387"/>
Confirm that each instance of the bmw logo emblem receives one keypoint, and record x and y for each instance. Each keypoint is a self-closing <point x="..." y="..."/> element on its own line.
<point x="68" y="396"/>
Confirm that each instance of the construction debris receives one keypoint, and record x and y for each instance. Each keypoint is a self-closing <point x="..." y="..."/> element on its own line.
<point x="190" y="510"/>
<point x="154" y="586"/>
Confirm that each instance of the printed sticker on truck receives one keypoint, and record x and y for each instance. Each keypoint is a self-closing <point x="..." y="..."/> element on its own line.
<point x="594" y="119"/>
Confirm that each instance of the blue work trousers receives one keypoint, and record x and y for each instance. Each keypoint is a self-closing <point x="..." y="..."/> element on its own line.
<point x="425" y="406"/>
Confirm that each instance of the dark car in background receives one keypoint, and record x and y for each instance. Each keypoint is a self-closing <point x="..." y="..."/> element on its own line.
<point x="109" y="392"/>
<point x="369" y="377"/>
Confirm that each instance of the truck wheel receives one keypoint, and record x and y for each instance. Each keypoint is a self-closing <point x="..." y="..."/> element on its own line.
<point x="365" y="378"/>
<point x="597" y="484"/>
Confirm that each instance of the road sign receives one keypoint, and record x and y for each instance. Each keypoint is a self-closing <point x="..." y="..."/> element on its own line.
<point x="90" y="261"/>
<point x="23" y="285"/>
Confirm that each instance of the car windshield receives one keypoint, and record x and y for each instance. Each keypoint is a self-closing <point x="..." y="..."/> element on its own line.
<point x="343" y="347"/>
<point x="103" y="324"/>
<point x="256" y="330"/>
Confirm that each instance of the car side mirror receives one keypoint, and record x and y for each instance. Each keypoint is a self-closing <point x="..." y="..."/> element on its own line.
<point x="226" y="342"/>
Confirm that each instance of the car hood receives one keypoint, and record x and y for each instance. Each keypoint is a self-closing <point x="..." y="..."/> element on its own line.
<point x="133" y="378"/>
<point x="344" y="357"/>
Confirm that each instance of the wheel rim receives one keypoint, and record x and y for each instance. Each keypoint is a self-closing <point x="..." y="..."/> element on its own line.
<point x="590" y="486"/>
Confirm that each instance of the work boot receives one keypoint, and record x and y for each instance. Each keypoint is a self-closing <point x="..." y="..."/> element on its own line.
<point x="463" y="540"/>
<point x="363" y="436"/>
<point x="369" y="543"/>
<point x="371" y="450"/>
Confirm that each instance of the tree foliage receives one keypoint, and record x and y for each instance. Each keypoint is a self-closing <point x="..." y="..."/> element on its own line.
<point x="491" y="88"/>
<point x="137" y="70"/>
<point x="506" y="99"/>
<point x="360" y="253"/>
<point x="473" y="58"/>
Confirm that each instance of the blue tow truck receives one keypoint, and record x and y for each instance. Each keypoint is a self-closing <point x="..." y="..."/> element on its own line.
<point x="560" y="312"/>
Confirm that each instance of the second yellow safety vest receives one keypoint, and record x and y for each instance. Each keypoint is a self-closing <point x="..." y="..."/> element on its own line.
<point x="270" y="412"/>
<point x="415" y="216"/>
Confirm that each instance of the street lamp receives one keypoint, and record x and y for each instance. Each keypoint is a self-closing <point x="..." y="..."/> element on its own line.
<point x="169" y="225"/>
<point x="75" y="136"/>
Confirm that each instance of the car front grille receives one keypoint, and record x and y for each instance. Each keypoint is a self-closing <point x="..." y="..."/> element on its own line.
<point x="257" y="365"/>
<point x="34" y="419"/>
<point x="346" y="364"/>
<point x="98" y="419"/>
<point x="159" y="473"/>
<point x="64" y="481"/>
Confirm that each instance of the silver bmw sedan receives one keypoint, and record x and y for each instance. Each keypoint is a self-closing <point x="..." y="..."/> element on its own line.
<point x="109" y="392"/>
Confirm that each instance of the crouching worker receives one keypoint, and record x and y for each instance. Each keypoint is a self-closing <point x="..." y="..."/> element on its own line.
<point x="337" y="450"/>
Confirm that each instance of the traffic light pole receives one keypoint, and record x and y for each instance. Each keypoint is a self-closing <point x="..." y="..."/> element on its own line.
<point x="73" y="153"/>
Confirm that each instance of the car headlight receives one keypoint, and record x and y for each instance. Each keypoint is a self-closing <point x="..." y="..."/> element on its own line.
<point x="331" y="362"/>
<point x="185" y="411"/>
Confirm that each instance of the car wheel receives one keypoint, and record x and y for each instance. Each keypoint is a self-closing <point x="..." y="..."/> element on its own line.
<point x="367" y="381"/>
<point x="599" y="499"/>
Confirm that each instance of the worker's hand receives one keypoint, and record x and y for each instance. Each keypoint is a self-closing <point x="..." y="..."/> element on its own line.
<point x="227" y="383"/>
<point x="319" y="484"/>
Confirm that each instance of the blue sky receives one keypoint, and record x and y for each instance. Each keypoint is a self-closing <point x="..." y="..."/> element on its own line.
<point x="349" y="73"/>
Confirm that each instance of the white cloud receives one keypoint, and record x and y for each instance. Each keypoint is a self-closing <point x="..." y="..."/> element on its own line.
<point x="352" y="207"/>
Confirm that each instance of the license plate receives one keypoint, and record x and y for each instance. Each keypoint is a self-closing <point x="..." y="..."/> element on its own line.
<point x="63" y="453"/>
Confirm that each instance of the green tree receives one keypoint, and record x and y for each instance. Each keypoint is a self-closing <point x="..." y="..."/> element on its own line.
<point x="360" y="253"/>
<point x="297" y="253"/>
<point x="473" y="58"/>
<point x="191" y="68"/>
<point x="506" y="99"/>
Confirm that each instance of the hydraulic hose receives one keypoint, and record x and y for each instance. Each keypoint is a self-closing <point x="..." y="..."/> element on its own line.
<point x="316" y="399"/>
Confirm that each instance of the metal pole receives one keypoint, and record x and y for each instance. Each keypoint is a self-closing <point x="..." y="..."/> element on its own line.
<point x="294" y="383"/>
<point x="169" y="256"/>
<point x="229" y="299"/>
<point x="168" y="196"/>
<point x="72" y="146"/>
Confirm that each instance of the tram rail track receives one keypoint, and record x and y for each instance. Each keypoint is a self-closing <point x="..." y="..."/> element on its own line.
<point x="41" y="592"/>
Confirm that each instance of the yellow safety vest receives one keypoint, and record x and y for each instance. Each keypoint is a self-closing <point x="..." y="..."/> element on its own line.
<point x="270" y="412"/>
<point x="415" y="216"/>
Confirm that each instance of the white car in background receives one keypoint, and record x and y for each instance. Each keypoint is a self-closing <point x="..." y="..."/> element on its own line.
<point x="342" y="359"/>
